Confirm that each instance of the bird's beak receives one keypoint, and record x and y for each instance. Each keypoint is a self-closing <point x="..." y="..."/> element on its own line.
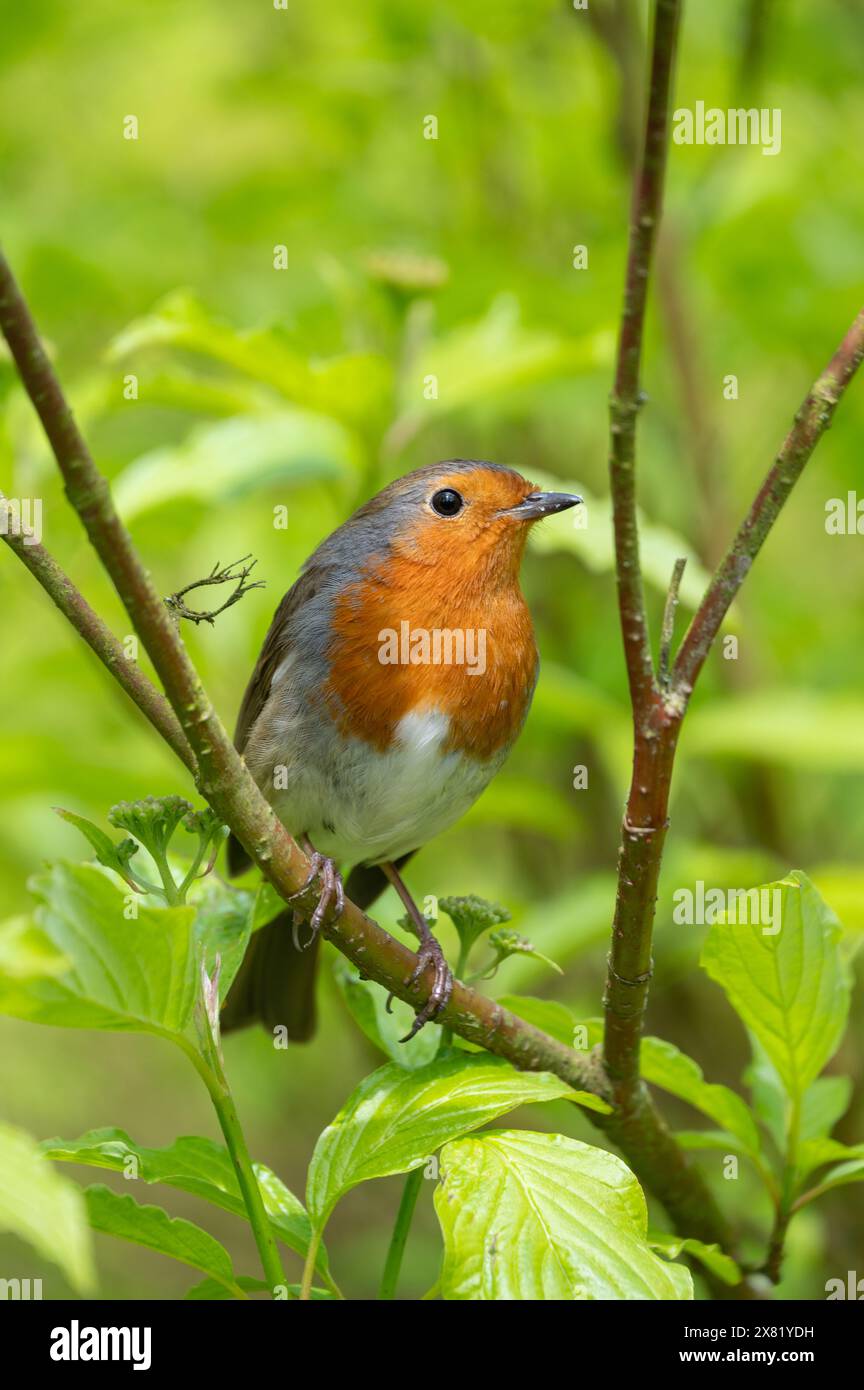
<point x="540" y="504"/>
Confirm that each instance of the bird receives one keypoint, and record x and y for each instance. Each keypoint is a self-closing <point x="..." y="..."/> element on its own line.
<point x="395" y="677"/>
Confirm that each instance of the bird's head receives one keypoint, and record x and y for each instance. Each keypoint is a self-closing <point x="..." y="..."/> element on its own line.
<point x="465" y="517"/>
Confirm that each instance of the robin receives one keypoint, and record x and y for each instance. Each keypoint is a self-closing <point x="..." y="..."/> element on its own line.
<point x="394" y="679"/>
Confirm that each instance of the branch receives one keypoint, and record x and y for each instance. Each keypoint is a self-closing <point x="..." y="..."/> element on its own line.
<point x="626" y="396"/>
<point x="811" y="422"/>
<point x="236" y="573"/>
<point x="667" y="630"/>
<point x="99" y="638"/>
<point x="643" y="831"/>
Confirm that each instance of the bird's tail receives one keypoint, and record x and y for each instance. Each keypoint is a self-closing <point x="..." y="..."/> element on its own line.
<point x="275" y="985"/>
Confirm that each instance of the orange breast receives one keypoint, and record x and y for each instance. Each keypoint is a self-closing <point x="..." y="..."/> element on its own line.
<point x="426" y="608"/>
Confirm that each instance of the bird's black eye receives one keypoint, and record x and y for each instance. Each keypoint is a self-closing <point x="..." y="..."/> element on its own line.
<point x="447" y="502"/>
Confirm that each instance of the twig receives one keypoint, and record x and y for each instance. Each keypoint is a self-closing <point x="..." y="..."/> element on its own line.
<point x="810" y="424"/>
<point x="99" y="638"/>
<point x="626" y="395"/>
<point x="399" y="1238"/>
<point x="229" y="575"/>
<point x="668" y="627"/>
<point x="655" y="729"/>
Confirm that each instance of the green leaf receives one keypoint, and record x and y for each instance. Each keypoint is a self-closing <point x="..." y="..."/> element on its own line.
<point x="507" y="943"/>
<point x="112" y="856"/>
<point x="488" y="357"/>
<point x="841" y="1175"/>
<point x="587" y="533"/>
<point x="791" y="728"/>
<point x="770" y="1101"/>
<point x="542" y="1217"/>
<point x="193" y="1165"/>
<point x="367" y="1004"/>
<point x="826" y="1100"/>
<point x="792" y="988"/>
<point x="523" y="803"/>
<point x="563" y="927"/>
<point x="43" y="1208"/>
<point x="396" y="1118"/>
<point x="663" y="1065"/>
<point x="354" y="387"/>
<point x="213" y="1292"/>
<point x="291" y="447"/>
<point x="842" y="885"/>
<point x="26" y="953"/>
<point x="567" y="701"/>
<point x="816" y="1153"/>
<point x="721" y="1139"/>
<point x="121" y="1216"/>
<point x="125" y="974"/>
<point x="223" y="922"/>
<point x="210" y="1290"/>
<point x="711" y="1256"/>
<point x="549" y="1015"/>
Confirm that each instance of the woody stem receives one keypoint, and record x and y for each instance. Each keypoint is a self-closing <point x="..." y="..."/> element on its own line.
<point x="811" y="421"/>
<point x="626" y="394"/>
<point x="60" y="589"/>
<point x="655" y="725"/>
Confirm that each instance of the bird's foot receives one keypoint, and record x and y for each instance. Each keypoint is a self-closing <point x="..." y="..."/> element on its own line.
<point x="332" y="890"/>
<point x="442" y="986"/>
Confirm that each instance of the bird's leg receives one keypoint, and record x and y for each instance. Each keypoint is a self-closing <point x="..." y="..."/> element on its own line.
<point x="331" y="887"/>
<point x="430" y="953"/>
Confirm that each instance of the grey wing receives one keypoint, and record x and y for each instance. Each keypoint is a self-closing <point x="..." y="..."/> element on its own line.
<point x="276" y="649"/>
<point x="277" y="646"/>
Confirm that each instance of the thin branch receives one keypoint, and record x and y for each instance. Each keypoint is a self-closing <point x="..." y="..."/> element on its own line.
<point x="626" y="395"/>
<point x="99" y="638"/>
<point x="643" y="829"/>
<point x="236" y="573"/>
<point x="811" y="422"/>
<point x="667" y="630"/>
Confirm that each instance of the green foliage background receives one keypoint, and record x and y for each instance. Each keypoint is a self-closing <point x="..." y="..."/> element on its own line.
<point x="304" y="128"/>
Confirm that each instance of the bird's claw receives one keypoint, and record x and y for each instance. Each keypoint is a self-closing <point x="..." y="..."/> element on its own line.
<point x="430" y="953"/>
<point x="325" y="870"/>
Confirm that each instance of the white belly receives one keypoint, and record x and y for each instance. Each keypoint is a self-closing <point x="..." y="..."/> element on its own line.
<point x="374" y="806"/>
